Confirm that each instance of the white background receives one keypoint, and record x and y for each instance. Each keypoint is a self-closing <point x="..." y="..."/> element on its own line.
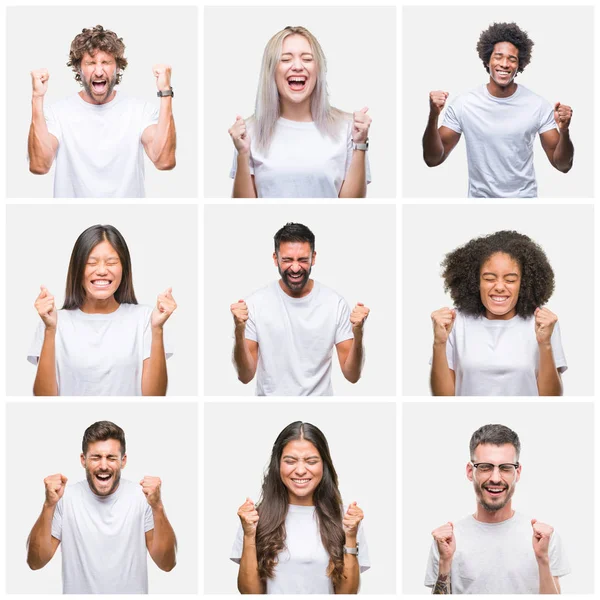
<point x="364" y="461"/>
<point x="355" y="248"/>
<point x="439" y="46"/>
<point x="556" y="485"/>
<point x="158" y="436"/>
<point x="162" y="241"/>
<point x="151" y="35"/>
<point x="565" y="233"/>
<point x="359" y="44"/>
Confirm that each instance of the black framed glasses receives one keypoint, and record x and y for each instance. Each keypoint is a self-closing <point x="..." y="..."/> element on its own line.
<point x="504" y="468"/>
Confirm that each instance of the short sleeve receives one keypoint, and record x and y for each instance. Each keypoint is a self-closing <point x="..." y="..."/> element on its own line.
<point x="52" y="123"/>
<point x="234" y="164"/>
<point x="149" y="116"/>
<point x="238" y="546"/>
<point x="148" y="338"/>
<point x="547" y="122"/>
<point x="56" y="530"/>
<point x="559" y="565"/>
<point x="350" y="150"/>
<point x="148" y="518"/>
<point x="364" y="561"/>
<point x="343" y="330"/>
<point x="557" y="350"/>
<point x="431" y="572"/>
<point x="250" y="332"/>
<point x="450" y="348"/>
<point x="35" y="348"/>
<point x="451" y="118"/>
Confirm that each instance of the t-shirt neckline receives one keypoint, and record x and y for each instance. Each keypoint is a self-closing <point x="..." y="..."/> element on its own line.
<point x="99" y="316"/>
<point x="297" y="124"/>
<point x="100" y="107"/>
<point x="506" y="522"/>
<point x="292" y="298"/>
<point x="502" y="100"/>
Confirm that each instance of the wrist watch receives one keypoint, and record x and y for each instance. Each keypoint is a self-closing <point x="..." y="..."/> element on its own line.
<point x="351" y="550"/>
<point x="168" y="92"/>
<point x="364" y="146"/>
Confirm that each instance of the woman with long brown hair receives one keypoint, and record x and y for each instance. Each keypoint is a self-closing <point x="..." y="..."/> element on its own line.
<point x="298" y="538"/>
<point x="102" y="342"/>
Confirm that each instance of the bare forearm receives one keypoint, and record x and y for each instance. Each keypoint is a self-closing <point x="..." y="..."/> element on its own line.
<point x="547" y="583"/>
<point x="41" y="152"/>
<point x="242" y="358"/>
<point x="154" y="380"/>
<point x="45" y="377"/>
<point x="433" y="148"/>
<point x="242" y="184"/>
<point x="249" y="581"/>
<point x="443" y="585"/>
<point x="355" y="183"/>
<point x="350" y="583"/>
<point x="39" y="543"/>
<point x="548" y="380"/>
<point x="355" y="360"/>
<point x="164" y="543"/>
<point x="442" y="383"/>
<point x="163" y="145"/>
<point x="563" y="153"/>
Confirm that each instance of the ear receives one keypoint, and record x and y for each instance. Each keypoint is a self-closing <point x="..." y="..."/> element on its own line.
<point x="469" y="471"/>
<point x="123" y="461"/>
<point x="275" y="259"/>
<point x="314" y="258"/>
<point x="518" y="472"/>
<point x="82" y="459"/>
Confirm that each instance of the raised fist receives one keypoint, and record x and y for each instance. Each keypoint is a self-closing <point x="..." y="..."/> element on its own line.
<point x="165" y="306"/>
<point x="151" y="488"/>
<point x="55" y="488"/>
<point x="44" y="304"/>
<point x="240" y="136"/>
<point x="351" y="520"/>
<point x="541" y="538"/>
<point x="446" y="542"/>
<point x="437" y="101"/>
<point x="249" y="517"/>
<point x="39" y="82"/>
<point x="163" y="77"/>
<point x="562" y="116"/>
<point x="544" y="325"/>
<point x="361" y="122"/>
<point x="239" y="310"/>
<point x="358" y="316"/>
<point x="443" y="321"/>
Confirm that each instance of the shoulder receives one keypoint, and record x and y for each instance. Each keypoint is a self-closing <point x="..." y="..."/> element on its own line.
<point x="135" y="310"/>
<point x="74" y="491"/>
<point x="327" y="293"/>
<point x="132" y="491"/>
<point x="466" y="97"/>
<point x="64" y="104"/>
<point x="263" y="293"/>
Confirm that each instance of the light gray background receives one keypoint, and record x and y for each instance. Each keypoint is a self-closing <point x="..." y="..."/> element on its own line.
<point x="564" y="232"/>
<point x="355" y="247"/>
<point x="359" y="43"/>
<point x="439" y="50"/>
<point x="162" y="241"/>
<point x="152" y="35"/>
<point x="44" y="439"/>
<point x="556" y="485"/>
<point x="366" y="470"/>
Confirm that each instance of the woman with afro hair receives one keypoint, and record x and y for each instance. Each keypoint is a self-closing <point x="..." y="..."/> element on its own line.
<point x="499" y="340"/>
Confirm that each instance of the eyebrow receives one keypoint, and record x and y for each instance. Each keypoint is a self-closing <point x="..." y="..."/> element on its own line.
<point x="114" y="257"/>
<point x="509" y="55"/>
<point x="296" y="458"/>
<point x="494" y="274"/>
<point x="301" y="54"/>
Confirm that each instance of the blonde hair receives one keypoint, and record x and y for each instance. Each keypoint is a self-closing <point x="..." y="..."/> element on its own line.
<point x="267" y="110"/>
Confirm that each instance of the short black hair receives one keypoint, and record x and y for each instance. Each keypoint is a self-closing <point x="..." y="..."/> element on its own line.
<point x="102" y="431"/>
<point x="504" y="32"/>
<point x="461" y="272"/>
<point x="294" y="232"/>
<point x="497" y="435"/>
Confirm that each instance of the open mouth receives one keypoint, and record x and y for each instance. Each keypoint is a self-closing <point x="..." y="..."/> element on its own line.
<point x="301" y="482"/>
<point x="503" y="74"/>
<point x="499" y="299"/>
<point x="101" y="283"/>
<point x="103" y="478"/>
<point x="99" y="86"/>
<point x="297" y="83"/>
<point x="495" y="491"/>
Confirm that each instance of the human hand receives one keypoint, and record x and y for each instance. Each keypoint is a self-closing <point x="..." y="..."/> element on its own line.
<point x="443" y="321"/>
<point x="249" y="517"/>
<point x="44" y="304"/>
<point x="163" y="77"/>
<point x="358" y="316"/>
<point x="351" y="520"/>
<point x="239" y="310"/>
<point x="39" y="82"/>
<point x="165" y="306"/>
<point x="437" y="101"/>
<point x="151" y="488"/>
<point x="541" y="539"/>
<point x="544" y="325"/>
<point x="361" y="122"/>
<point x="446" y="543"/>
<point x="55" y="488"/>
<point x="562" y="116"/>
<point x="240" y="136"/>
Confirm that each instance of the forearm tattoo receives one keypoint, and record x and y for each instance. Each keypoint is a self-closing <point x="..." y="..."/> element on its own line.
<point x="443" y="585"/>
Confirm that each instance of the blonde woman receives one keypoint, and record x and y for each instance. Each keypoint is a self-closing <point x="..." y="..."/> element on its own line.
<point x="296" y="144"/>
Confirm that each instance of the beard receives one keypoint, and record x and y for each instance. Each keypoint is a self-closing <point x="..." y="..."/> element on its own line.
<point x="497" y="505"/>
<point x="92" y="481"/>
<point x="89" y="89"/>
<point x="295" y="286"/>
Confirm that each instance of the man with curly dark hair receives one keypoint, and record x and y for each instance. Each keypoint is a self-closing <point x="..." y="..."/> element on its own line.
<point x="97" y="136"/>
<point x="500" y="121"/>
<point x="499" y="340"/>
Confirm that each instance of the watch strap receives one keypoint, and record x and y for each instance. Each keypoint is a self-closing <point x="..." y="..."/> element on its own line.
<point x="364" y="146"/>
<point x="169" y="92"/>
<point x="351" y="550"/>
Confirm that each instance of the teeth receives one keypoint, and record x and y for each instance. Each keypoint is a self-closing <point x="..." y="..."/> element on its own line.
<point x="101" y="282"/>
<point x="300" y="480"/>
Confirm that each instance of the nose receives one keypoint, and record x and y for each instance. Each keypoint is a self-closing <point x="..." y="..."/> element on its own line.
<point x="103" y="463"/>
<point x="101" y="268"/>
<point x="297" y="64"/>
<point x="300" y="469"/>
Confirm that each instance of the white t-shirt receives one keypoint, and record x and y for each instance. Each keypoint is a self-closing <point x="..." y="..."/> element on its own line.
<point x="100" y="152"/>
<point x="99" y="354"/>
<point x="300" y="162"/>
<point x="103" y="539"/>
<point x="296" y="339"/>
<point x="499" y="133"/>
<point x="496" y="558"/>
<point x="492" y="357"/>
<point x="302" y="566"/>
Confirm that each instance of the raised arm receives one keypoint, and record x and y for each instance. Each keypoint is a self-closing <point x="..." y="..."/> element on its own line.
<point x="442" y="376"/>
<point x="243" y="183"/>
<point x="41" y="144"/>
<point x="249" y="581"/>
<point x="355" y="182"/>
<point x="350" y="583"/>
<point x="549" y="382"/>
<point x="245" y="352"/>
<point x="446" y="544"/>
<point x="437" y="143"/>
<point x="45" y="383"/>
<point x="557" y="144"/>
<point x="542" y="533"/>
<point x="351" y="352"/>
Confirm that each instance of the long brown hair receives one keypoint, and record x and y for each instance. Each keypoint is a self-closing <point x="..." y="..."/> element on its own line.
<point x="273" y="505"/>
<point x="86" y="242"/>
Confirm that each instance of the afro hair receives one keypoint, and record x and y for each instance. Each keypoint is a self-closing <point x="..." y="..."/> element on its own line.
<point x="504" y="32"/>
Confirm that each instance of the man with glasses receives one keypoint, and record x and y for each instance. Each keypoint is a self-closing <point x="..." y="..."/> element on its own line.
<point x="496" y="550"/>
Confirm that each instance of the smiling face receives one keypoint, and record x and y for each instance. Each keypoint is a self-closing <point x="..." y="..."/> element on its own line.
<point x="294" y="261"/>
<point x="504" y="63"/>
<point x="301" y="471"/>
<point x="499" y="284"/>
<point x="103" y="272"/>
<point x="98" y="77"/>
<point x="103" y="463"/>
<point x="296" y="72"/>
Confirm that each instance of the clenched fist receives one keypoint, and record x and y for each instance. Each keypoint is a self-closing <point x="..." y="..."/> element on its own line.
<point x="361" y="122"/>
<point x="55" y="488"/>
<point x="39" y="82"/>
<point x="443" y="321"/>
<point x="544" y="325"/>
<point x="446" y="542"/>
<point x="437" y="101"/>
<point x="358" y="316"/>
<point x="239" y="310"/>
<point x="249" y="517"/>
<point x="562" y="116"/>
<point x="44" y="304"/>
<point x="239" y="136"/>
<point x="163" y="77"/>
<point x="151" y="488"/>
<point x="351" y="520"/>
<point x="541" y="539"/>
<point x="165" y="307"/>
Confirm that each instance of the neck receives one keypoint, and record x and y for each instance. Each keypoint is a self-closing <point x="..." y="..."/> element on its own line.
<point x="94" y="306"/>
<point x="87" y="98"/>
<point x="500" y="91"/>
<point x="307" y="289"/>
<point x="300" y="501"/>
<point x="296" y="112"/>
<point x="497" y="516"/>
<point x="492" y="317"/>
